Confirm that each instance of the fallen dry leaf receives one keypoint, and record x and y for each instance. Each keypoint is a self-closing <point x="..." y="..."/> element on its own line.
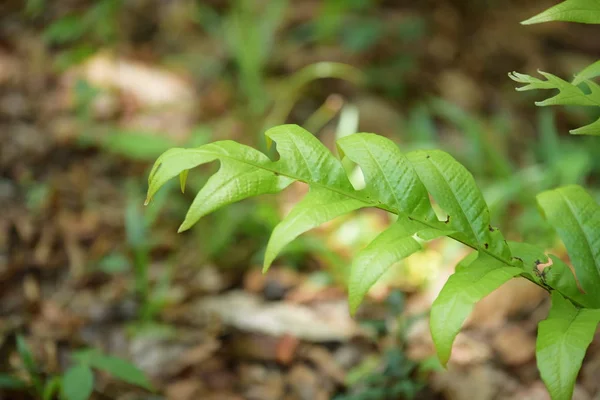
<point x="248" y="312"/>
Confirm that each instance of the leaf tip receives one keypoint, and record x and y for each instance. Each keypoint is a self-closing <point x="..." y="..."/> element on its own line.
<point x="183" y="227"/>
<point x="266" y="266"/>
<point x="529" y="21"/>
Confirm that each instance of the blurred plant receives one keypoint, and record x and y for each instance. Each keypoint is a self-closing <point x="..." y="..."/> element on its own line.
<point x="582" y="90"/>
<point x="249" y="31"/>
<point x="139" y="245"/>
<point x="77" y="382"/>
<point x="82" y="34"/>
<point x="509" y="188"/>
<point x="34" y="8"/>
<point x="403" y="184"/>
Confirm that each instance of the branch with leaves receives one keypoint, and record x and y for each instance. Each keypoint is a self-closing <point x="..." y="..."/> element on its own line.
<point x="401" y="184"/>
<point x="570" y="93"/>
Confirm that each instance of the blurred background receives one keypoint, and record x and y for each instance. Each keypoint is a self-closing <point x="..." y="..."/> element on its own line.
<point x="91" y="92"/>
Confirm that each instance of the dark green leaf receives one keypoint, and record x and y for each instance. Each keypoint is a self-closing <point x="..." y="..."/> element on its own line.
<point x="10" y="382"/>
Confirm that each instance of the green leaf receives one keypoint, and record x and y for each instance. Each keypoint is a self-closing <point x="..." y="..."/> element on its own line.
<point x="560" y="276"/>
<point x="10" y="382"/>
<point x="26" y="356"/>
<point x="392" y="245"/>
<point x="575" y="216"/>
<point x="591" y="129"/>
<point x="244" y="172"/>
<point x="119" y="368"/>
<point x="529" y="254"/>
<point x="317" y="207"/>
<point x="233" y="182"/>
<point x="569" y="94"/>
<point x="583" y="11"/>
<point x="66" y="29"/>
<point x="464" y="288"/>
<point x="52" y="387"/>
<point x="589" y="72"/>
<point x="388" y="173"/>
<point x="305" y="158"/>
<point x="135" y="145"/>
<point x="455" y="190"/>
<point x="78" y="383"/>
<point x="562" y="341"/>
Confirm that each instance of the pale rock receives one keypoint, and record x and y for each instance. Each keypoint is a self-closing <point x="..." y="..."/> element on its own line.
<point x="460" y="89"/>
<point x="482" y="382"/>
<point x="248" y="312"/>
<point x="590" y="371"/>
<point x="151" y="86"/>
<point x="514" y="345"/>
<point x="305" y="384"/>
<point x="514" y="297"/>
<point x="468" y="350"/>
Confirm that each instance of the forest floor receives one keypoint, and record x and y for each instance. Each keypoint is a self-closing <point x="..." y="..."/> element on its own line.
<point x="77" y="141"/>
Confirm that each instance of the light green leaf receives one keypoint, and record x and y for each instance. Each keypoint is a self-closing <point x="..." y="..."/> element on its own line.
<point x="569" y="94"/>
<point x="317" y="207"/>
<point x="467" y="260"/>
<point x="244" y="172"/>
<point x="562" y="341"/>
<point x="392" y="245"/>
<point x="529" y="254"/>
<point x="119" y="368"/>
<point x="589" y="72"/>
<point x="591" y="129"/>
<point x="464" y="288"/>
<point x="455" y="190"/>
<point x="305" y="158"/>
<point x="560" y="276"/>
<point x="78" y="383"/>
<point x="388" y="174"/>
<point x="183" y="179"/>
<point x="177" y="160"/>
<point x="576" y="218"/>
<point x="583" y="11"/>
<point x="233" y="182"/>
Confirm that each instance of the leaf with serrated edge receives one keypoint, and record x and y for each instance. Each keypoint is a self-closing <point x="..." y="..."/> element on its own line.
<point x="464" y="288"/>
<point x="582" y="11"/>
<point x="568" y="94"/>
<point x="233" y="182"/>
<point x="317" y="207"/>
<point x="562" y="341"/>
<point x="455" y="190"/>
<point x="388" y="174"/>
<point x="305" y="158"/>
<point x="175" y="161"/>
<point x="575" y="216"/>
<point x="78" y="383"/>
<point x="390" y="246"/>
